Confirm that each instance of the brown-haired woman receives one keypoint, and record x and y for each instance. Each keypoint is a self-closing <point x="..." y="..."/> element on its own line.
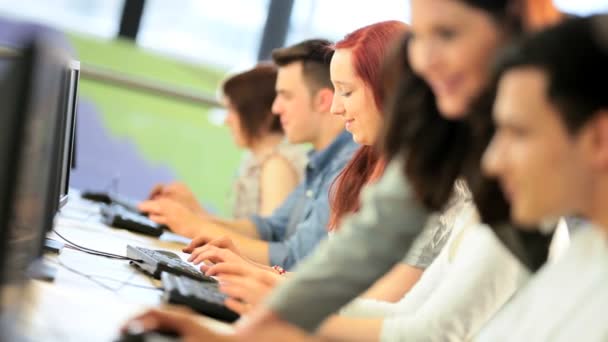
<point x="271" y="167"/>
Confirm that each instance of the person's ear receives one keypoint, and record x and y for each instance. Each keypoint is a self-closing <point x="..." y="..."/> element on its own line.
<point x="323" y="99"/>
<point x="599" y="140"/>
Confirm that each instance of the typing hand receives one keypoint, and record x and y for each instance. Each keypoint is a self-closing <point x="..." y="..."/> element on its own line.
<point x="203" y="240"/>
<point x="180" y="321"/>
<point x="217" y="250"/>
<point x="246" y="285"/>
<point x="156" y="191"/>
<point x="180" y="193"/>
<point x="215" y="255"/>
<point x="174" y="215"/>
<point x="185" y="324"/>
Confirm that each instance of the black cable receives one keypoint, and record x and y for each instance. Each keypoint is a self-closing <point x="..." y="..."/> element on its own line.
<point x="92" y="277"/>
<point x="89" y="250"/>
<point x="95" y="252"/>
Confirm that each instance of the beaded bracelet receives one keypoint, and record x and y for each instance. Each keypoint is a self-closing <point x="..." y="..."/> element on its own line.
<point x="279" y="269"/>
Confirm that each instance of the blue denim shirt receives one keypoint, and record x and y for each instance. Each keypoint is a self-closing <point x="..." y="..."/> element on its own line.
<point x="296" y="227"/>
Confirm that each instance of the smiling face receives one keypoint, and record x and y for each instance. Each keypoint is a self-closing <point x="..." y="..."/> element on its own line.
<point x="451" y="48"/>
<point x="354" y="100"/>
<point x="542" y="168"/>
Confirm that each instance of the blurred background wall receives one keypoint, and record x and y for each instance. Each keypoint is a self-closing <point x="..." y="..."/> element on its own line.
<point x="130" y="137"/>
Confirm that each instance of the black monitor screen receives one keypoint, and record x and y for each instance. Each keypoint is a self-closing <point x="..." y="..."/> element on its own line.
<point x="30" y="93"/>
<point x="67" y="143"/>
<point x="36" y="163"/>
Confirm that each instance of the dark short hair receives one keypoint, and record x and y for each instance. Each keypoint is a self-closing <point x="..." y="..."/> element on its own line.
<point x="575" y="63"/>
<point x="315" y="56"/>
<point x="252" y="93"/>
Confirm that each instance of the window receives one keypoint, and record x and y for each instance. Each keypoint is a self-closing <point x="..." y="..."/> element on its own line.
<point x="587" y="7"/>
<point x="224" y="33"/>
<point x="333" y="19"/>
<point x="95" y="17"/>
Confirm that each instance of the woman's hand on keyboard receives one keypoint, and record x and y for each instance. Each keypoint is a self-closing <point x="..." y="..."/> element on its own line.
<point x="202" y="243"/>
<point x="246" y="285"/>
<point x="177" y="217"/>
<point x="189" y="328"/>
<point x="215" y="255"/>
<point x="179" y="321"/>
<point x="180" y="193"/>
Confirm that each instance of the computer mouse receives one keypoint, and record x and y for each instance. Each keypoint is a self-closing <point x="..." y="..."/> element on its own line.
<point x="149" y="336"/>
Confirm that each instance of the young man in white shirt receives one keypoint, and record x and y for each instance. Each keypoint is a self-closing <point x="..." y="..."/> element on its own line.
<point x="550" y="153"/>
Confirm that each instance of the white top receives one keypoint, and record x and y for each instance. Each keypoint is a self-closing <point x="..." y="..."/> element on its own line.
<point x="473" y="276"/>
<point x="565" y="301"/>
<point x="560" y="242"/>
<point x="246" y="188"/>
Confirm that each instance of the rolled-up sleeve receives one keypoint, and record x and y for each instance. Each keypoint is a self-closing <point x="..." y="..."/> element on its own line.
<point x="367" y="245"/>
<point x="307" y="237"/>
<point x="273" y="227"/>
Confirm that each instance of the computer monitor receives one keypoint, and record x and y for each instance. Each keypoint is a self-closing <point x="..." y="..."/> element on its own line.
<point x="30" y="93"/>
<point x="69" y="108"/>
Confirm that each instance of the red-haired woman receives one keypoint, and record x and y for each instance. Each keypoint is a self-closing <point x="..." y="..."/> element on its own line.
<point x="474" y="29"/>
<point x="356" y="69"/>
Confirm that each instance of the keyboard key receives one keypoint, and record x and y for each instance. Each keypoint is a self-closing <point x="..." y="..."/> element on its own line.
<point x="203" y="297"/>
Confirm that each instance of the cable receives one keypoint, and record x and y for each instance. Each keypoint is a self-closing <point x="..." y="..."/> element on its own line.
<point x="93" y="251"/>
<point x="92" y="277"/>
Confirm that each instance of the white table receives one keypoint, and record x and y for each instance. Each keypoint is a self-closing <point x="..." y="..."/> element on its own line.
<point x="93" y="296"/>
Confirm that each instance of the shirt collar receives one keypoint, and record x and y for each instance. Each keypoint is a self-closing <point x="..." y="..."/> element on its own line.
<point x="319" y="159"/>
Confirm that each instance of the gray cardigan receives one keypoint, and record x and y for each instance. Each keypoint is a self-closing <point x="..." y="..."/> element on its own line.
<point x="358" y="252"/>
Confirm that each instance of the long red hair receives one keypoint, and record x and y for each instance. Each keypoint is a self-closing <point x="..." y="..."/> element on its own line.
<point x="369" y="45"/>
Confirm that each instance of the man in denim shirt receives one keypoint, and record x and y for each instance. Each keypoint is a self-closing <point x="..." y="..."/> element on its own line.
<point x="296" y="227"/>
<point x="304" y="97"/>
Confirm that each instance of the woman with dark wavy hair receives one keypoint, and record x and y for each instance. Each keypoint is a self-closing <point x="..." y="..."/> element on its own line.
<point x="436" y="136"/>
<point x="357" y="76"/>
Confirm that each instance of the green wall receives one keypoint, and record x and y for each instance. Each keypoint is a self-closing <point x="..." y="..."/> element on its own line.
<point x="166" y="131"/>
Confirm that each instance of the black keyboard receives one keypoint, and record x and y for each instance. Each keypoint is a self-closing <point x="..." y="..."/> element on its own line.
<point x="120" y="217"/>
<point x="107" y="198"/>
<point x="154" y="262"/>
<point x="203" y="297"/>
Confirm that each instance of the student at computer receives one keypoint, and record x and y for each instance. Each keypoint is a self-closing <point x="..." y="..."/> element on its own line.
<point x="304" y="97"/>
<point x="452" y="47"/>
<point x="356" y="75"/>
<point x="442" y="305"/>
<point x="271" y="167"/>
<point x="550" y="153"/>
<point x="465" y="36"/>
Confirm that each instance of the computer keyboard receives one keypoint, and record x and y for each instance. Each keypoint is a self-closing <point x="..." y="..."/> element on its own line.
<point x="107" y="198"/>
<point x="154" y="262"/>
<point x="127" y="202"/>
<point x="120" y="217"/>
<point x="203" y="297"/>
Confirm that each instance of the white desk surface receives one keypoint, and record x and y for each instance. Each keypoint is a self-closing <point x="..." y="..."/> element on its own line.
<point x="93" y="305"/>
